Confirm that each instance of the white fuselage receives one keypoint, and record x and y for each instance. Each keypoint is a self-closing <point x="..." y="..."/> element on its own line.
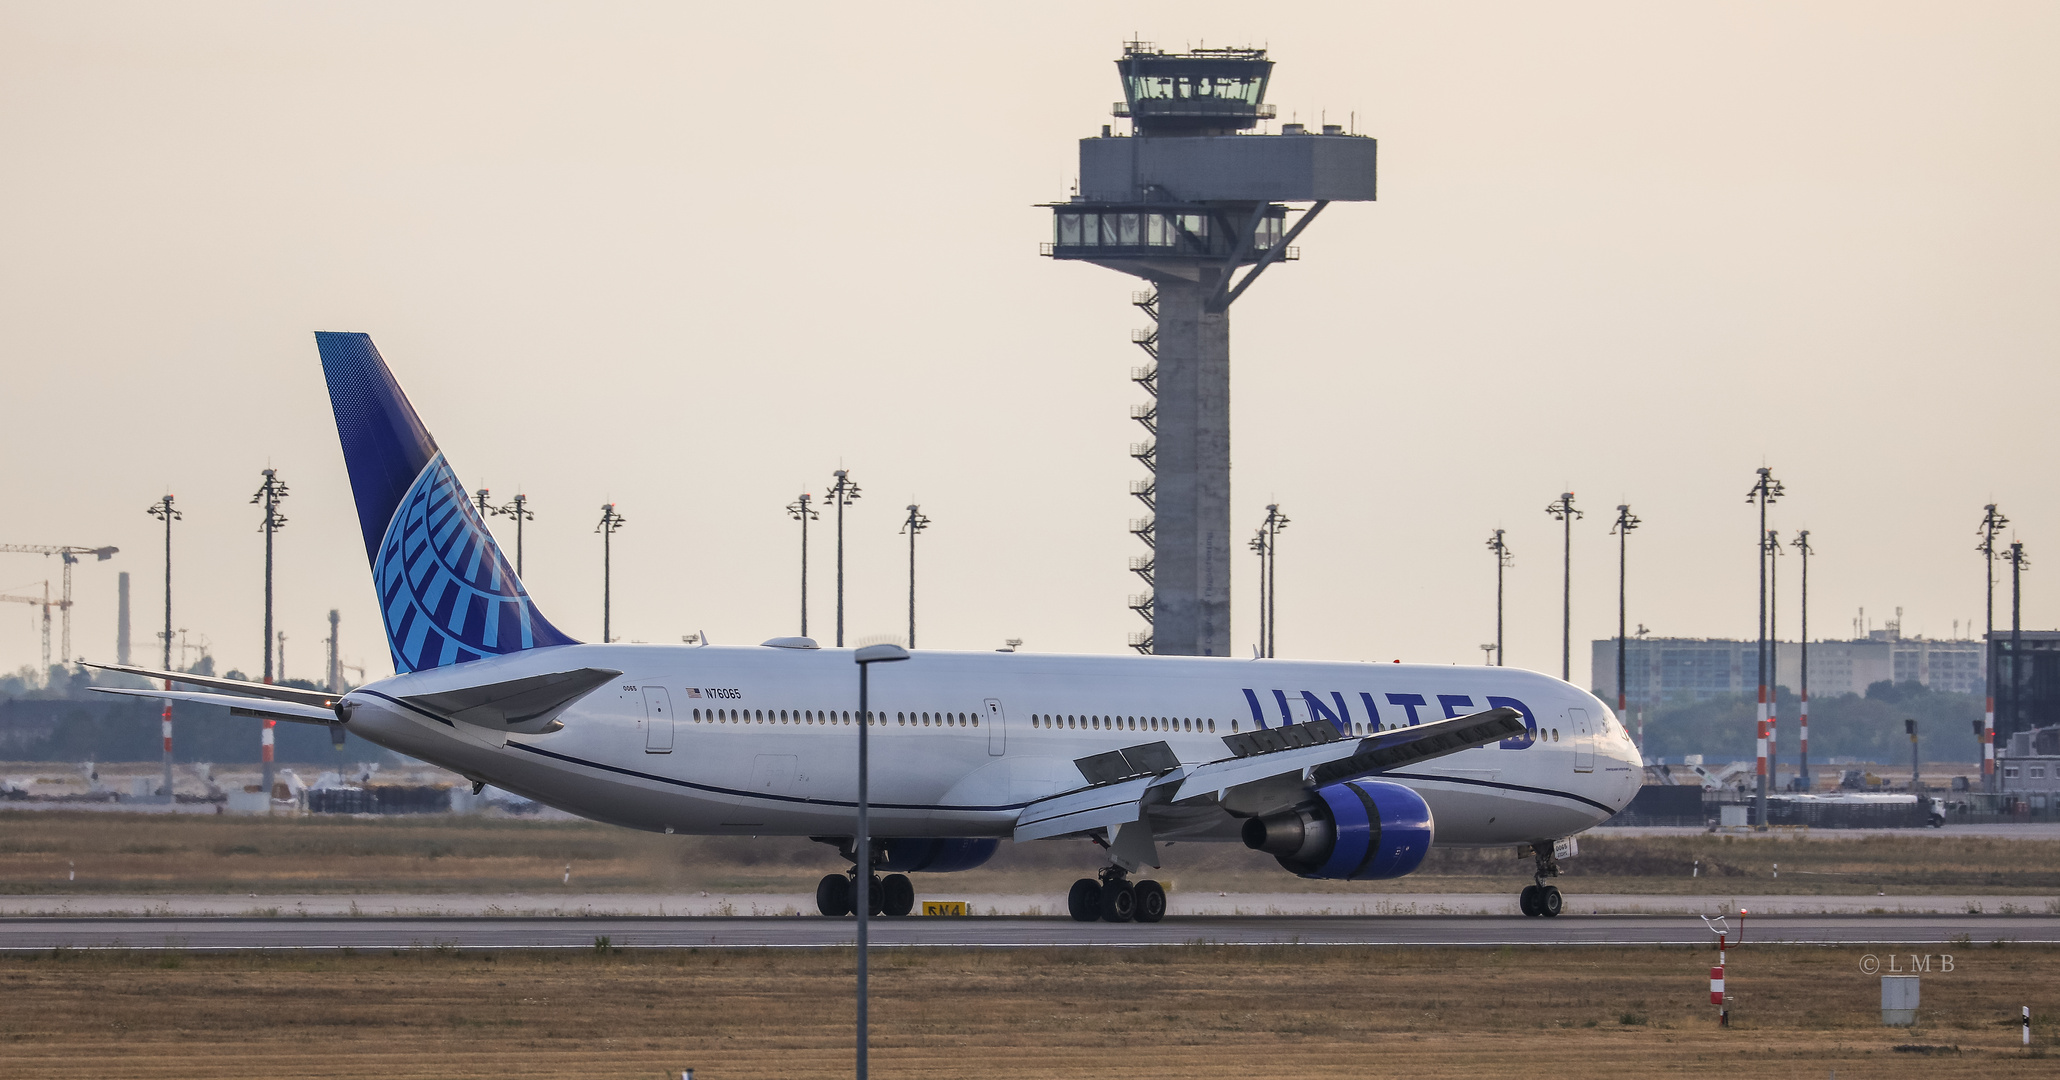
<point x="763" y="741"/>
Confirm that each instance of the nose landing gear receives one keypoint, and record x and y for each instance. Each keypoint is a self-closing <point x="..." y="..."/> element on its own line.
<point x="1538" y="898"/>
<point x="1114" y="898"/>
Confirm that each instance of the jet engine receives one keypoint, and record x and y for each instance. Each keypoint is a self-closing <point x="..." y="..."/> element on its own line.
<point x="932" y="855"/>
<point x="1357" y="830"/>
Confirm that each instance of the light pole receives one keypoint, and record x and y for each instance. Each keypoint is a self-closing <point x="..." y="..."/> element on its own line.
<point x="800" y="511"/>
<point x="1801" y="544"/>
<point x="517" y="508"/>
<point x="916" y="523"/>
<point x="165" y="511"/>
<point x="1773" y="547"/>
<point x="2018" y="565"/>
<point x="268" y="494"/>
<point x="861" y="845"/>
<point x="1626" y="521"/>
<point x="1504" y="559"/>
<point x="843" y="493"/>
<point x="1764" y="490"/>
<point x="610" y="522"/>
<point x="1267" y="544"/>
<point x="1562" y="509"/>
<point x="1992" y="522"/>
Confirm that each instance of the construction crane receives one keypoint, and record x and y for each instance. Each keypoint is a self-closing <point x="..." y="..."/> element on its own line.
<point x="47" y="605"/>
<point x="69" y="554"/>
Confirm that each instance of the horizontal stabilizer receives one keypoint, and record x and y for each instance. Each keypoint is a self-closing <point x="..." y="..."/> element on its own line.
<point x="316" y="698"/>
<point x="527" y="706"/>
<point x="236" y="704"/>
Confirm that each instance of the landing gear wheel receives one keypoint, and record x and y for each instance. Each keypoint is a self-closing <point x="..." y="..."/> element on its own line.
<point x="1150" y="897"/>
<point x="1085" y="901"/>
<point x="899" y="895"/>
<point x="1548" y="901"/>
<point x="833" y="896"/>
<point x="1527" y="900"/>
<point x="1119" y="902"/>
<point x="876" y="894"/>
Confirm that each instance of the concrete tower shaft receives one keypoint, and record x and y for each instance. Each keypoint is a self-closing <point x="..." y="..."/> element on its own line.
<point x="1185" y="201"/>
<point x="1191" y="603"/>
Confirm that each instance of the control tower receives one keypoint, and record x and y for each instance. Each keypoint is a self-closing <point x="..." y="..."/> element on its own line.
<point x="1194" y="202"/>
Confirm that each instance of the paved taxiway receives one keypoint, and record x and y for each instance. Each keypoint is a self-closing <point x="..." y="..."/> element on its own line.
<point x="1001" y="932"/>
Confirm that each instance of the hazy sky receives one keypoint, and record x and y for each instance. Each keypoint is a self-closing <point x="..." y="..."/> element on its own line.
<point x="692" y="259"/>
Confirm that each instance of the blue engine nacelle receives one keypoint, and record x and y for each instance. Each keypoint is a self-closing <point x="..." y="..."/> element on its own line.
<point x="1358" y="830"/>
<point x="932" y="855"/>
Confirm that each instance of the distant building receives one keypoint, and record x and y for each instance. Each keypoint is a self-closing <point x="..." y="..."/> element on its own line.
<point x="1671" y="670"/>
<point x="2030" y="761"/>
<point x="2032" y="700"/>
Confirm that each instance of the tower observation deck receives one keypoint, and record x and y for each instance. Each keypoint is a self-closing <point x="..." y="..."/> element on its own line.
<point x="1194" y="202"/>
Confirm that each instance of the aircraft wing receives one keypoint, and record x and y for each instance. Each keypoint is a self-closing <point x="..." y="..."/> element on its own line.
<point x="236" y="704"/>
<point x="1268" y="769"/>
<point x="316" y="698"/>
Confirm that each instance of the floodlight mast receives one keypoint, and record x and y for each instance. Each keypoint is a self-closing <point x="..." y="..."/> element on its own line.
<point x="1267" y="544"/>
<point x="1764" y="490"/>
<point x="1626" y="521"/>
<point x="268" y="495"/>
<point x="800" y="511"/>
<point x="1199" y="210"/>
<point x="915" y="523"/>
<point x="843" y="493"/>
<point x="164" y="511"/>
<point x="1773" y="550"/>
<point x="1504" y="559"/>
<point x="517" y="508"/>
<point x="1562" y="509"/>
<point x="1992" y="522"/>
<point x="611" y="521"/>
<point x="1801" y="544"/>
<point x="2018" y="565"/>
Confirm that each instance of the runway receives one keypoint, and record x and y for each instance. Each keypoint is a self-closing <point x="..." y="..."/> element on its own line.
<point x="290" y="933"/>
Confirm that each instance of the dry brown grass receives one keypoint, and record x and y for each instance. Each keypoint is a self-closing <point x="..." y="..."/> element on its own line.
<point x="131" y="853"/>
<point x="1298" y="1013"/>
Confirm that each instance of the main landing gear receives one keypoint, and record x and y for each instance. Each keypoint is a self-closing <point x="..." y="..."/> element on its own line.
<point x="1112" y="897"/>
<point x="893" y="895"/>
<point x="1538" y="898"/>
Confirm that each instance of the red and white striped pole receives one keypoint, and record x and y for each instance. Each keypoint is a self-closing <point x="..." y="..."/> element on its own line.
<point x="1804" y="768"/>
<point x="1762" y="771"/>
<point x="1988" y="744"/>
<point x="1717" y="986"/>
<point x="265" y="745"/>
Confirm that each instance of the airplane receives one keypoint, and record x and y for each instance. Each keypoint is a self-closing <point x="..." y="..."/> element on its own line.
<point x="1345" y="771"/>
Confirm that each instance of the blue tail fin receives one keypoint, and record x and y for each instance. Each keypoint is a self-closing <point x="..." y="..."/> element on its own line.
<point x="446" y="593"/>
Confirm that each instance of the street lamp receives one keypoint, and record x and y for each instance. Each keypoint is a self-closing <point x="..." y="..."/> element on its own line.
<point x="861" y="847"/>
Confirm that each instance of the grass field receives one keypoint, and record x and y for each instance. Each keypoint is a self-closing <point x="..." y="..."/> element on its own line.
<point x="86" y="853"/>
<point x="1277" y="1012"/>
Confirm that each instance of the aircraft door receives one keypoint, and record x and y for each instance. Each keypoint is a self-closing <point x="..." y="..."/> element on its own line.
<point x="1584" y="740"/>
<point x="657" y="720"/>
<point x="997" y="729"/>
